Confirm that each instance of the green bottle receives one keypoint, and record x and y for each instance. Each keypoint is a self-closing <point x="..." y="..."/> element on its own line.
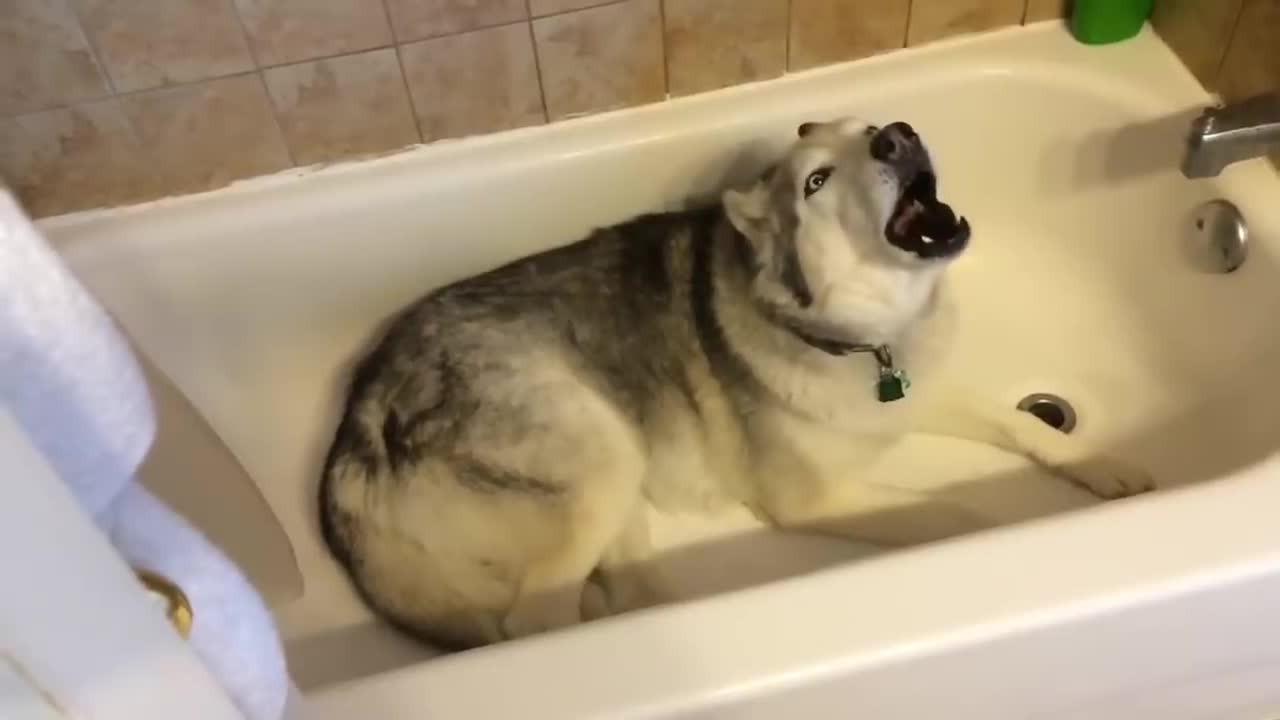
<point x="1097" y="22"/>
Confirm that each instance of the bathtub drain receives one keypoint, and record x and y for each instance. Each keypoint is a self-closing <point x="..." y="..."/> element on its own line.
<point x="1053" y="410"/>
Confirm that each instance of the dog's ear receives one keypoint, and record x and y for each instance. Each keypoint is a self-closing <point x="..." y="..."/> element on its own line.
<point x="748" y="210"/>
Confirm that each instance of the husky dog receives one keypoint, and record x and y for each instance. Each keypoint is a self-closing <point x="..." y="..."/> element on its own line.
<point x="489" y="476"/>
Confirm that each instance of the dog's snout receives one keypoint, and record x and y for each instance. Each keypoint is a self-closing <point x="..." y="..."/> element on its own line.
<point x="893" y="142"/>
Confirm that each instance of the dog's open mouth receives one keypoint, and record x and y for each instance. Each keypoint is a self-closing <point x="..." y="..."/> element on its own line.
<point x="923" y="225"/>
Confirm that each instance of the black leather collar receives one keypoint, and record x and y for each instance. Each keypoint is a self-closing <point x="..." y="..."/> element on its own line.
<point x="893" y="383"/>
<point x="834" y="347"/>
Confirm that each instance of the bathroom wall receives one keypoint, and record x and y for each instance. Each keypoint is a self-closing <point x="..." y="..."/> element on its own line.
<point x="1230" y="45"/>
<point x="106" y="102"/>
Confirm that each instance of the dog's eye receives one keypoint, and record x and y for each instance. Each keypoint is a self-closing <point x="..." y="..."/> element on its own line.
<point x="871" y="130"/>
<point x="816" y="180"/>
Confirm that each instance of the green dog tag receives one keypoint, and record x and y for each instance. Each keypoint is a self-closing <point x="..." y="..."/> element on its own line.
<point x="892" y="386"/>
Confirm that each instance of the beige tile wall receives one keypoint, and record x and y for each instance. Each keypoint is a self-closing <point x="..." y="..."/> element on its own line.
<point x="1232" y="46"/>
<point x="106" y="102"/>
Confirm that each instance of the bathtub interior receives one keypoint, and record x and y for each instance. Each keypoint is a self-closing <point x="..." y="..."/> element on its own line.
<point x="1080" y="281"/>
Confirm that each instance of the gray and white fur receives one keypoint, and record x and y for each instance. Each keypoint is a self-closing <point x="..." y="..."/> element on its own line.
<point x="489" y="477"/>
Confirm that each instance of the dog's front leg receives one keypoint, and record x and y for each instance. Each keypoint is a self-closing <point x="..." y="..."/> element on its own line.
<point x="952" y="415"/>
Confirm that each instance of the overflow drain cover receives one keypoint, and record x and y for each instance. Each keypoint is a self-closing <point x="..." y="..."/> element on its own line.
<point x="1053" y="410"/>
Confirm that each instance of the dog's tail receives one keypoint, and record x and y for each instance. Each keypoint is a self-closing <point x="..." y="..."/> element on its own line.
<point x="355" y="458"/>
<point x="358" y="456"/>
<point x="373" y="442"/>
<point x="371" y="454"/>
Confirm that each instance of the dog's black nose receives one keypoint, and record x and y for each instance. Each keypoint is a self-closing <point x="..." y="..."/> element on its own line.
<point x="893" y="141"/>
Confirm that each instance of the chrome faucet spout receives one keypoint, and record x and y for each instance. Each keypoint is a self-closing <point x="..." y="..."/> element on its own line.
<point x="1239" y="131"/>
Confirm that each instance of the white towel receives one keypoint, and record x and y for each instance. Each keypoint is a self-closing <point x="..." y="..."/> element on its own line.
<point x="69" y="378"/>
<point x="68" y="375"/>
<point x="233" y="633"/>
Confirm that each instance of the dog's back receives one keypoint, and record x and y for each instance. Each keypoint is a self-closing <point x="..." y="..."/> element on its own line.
<point x="494" y="441"/>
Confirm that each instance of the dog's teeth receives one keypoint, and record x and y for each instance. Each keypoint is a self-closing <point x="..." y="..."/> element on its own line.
<point x="927" y="240"/>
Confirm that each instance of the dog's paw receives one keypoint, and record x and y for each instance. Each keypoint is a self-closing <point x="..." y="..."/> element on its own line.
<point x="1107" y="477"/>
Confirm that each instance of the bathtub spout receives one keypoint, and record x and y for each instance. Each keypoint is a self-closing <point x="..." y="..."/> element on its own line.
<point x="1239" y="131"/>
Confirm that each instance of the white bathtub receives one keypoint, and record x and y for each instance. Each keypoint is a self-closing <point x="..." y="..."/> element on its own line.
<point x="257" y="298"/>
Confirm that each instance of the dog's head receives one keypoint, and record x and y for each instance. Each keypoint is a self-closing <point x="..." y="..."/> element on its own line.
<point x="874" y="185"/>
<point x="847" y="197"/>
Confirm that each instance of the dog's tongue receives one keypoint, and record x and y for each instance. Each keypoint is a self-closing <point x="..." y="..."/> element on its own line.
<point x="927" y="218"/>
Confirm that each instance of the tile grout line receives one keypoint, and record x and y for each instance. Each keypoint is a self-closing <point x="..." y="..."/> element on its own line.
<point x="396" y="45"/>
<point x="906" y="33"/>
<point x="259" y="68"/>
<point x="113" y="93"/>
<point x="662" y="47"/>
<point x="529" y="8"/>
<point x="413" y="104"/>
<point x="537" y="62"/>
<point x="1230" y="41"/>
<point x="570" y="11"/>
<point x="404" y="75"/>
<point x="786" y="29"/>
<point x="211" y="78"/>
<point x="94" y="52"/>
<point x="262" y="81"/>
